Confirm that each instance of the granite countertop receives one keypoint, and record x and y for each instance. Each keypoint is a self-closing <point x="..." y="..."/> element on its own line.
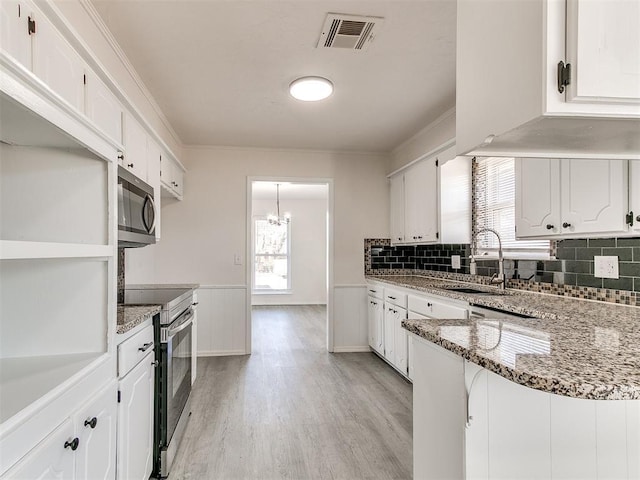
<point x="130" y="316"/>
<point x="576" y="348"/>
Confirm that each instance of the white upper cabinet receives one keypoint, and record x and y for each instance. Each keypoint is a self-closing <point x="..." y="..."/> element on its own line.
<point x="537" y="200"/>
<point x="603" y="49"/>
<point x="103" y="108"/>
<point x="135" y="146"/>
<point x="421" y="202"/>
<point x="510" y="100"/>
<point x="430" y="201"/>
<point x="396" y="194"/>
<point x="634" y="193"/>
<point x="172" y="177"/>
<point x="571" y="197"/>
<point x="57" y="64"/>
<point x="15" y="38"/>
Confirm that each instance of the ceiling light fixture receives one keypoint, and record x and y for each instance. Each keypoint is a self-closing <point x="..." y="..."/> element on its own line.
<point x="311" y="89"/>
<point x="277" y="219"/>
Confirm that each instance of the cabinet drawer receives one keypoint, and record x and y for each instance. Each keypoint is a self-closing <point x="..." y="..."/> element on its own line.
<point x="395" y="297"/>
<point x="375" y="291"/>
<point x="134" y="349"/>
<point x="435" y="309"/>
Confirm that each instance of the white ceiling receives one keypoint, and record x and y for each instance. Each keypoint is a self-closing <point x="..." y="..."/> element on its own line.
<point x="220" y="69"/>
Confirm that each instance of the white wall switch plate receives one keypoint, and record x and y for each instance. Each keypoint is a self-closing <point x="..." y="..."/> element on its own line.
<point x="455" y="261"/>
<point x="606" y="267"/>
<point x="237" y="259"/>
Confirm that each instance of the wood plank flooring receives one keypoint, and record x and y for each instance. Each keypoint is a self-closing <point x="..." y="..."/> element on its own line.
<point x="291" y="410"/>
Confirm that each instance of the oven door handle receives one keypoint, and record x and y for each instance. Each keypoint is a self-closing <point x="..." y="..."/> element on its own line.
<point x="172" y="331"/>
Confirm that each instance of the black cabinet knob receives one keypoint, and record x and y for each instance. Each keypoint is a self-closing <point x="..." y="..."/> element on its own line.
<point x="549" y="226"/>
<point x="638" y="218"/>
<point x="130" y="165"/>
<point x="429" y="304"/>
<point x="566" y="225"/>
<point x="91" y="423"/>
<point x="73" y="444"/>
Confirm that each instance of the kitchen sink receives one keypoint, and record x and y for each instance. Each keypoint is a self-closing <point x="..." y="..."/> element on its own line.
<point x="471" y="290"/>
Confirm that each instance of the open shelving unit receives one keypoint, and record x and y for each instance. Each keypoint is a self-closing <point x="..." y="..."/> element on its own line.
<point x="58" y="250"/>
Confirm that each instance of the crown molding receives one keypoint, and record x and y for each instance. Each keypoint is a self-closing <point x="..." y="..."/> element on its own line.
<point x="430" y="126"/>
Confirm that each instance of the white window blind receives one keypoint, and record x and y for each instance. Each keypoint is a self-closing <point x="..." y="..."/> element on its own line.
<point x="494" y="207"/>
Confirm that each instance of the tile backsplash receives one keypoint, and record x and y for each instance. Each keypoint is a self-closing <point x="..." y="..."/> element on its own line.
<point x="570" y="273"/>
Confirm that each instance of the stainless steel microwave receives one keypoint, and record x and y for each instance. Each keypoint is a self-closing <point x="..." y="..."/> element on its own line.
<point x="136" y="211"/>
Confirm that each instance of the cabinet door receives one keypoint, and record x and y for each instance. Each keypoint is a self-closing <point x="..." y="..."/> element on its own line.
<point x="389" y="332"/>
<point x="154" y="160"/>
<point x="593" y="196"/>
<point x="57" y="64"/>
<point x="634" y="192"/>
<point x="400" y="340"/>
<point x="371" y="321"/>
<point x="421" y="202"/>
<point x="96" y="429"/>
<point x="603" y="48"/>
<point x="379" y="326"/>
<point x="396" y="208"/>
<point x="14" y="32"/>
<point x="103" y="108"/>
<point x="135" y="422"/>
<point x="50" y="460"/>
<point x="135" y="147"/>
<point x="178" y="181"/>
<point x="537" y="198"/>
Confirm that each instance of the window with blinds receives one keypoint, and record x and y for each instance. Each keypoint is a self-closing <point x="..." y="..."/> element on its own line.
<point x="494" y="207"/>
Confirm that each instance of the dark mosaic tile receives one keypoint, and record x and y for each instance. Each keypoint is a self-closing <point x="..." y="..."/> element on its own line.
<point x="629" y="242"/>
<point x="587" y="253"/>
<point x="623" y="283"/>
<point x="623" y="254"/>
<point x="588" y="281"/>
<point x="572" y="243"/>
<point x="601" y="242"/>
<point x="572" y="266"/>
<point x="628" y="269"/>
<point x="565" y="253"/>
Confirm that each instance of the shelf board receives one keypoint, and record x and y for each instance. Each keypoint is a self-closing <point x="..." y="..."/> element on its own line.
<point x="25" y="380"/>
<point x="15" y="250"/>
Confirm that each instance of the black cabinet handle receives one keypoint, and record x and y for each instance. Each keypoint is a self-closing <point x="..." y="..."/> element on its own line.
<point x="549" y="226"/>
<point x="73" y="444"/>
<point x="91" y="423"/>
<point x="419" y="237"/>
<point x="566" y="225"/>
<point x="130" y="165"/>
<point x="145" y="347"/>
<point x="195" y="303"/>
<point x="392" y="298"/>
<point x="120" y="156"/>
<point x="429" y="304"/>
<point x="399" y="238"/>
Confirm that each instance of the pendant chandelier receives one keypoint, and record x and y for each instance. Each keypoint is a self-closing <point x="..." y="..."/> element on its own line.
<point x="277" y="219"/>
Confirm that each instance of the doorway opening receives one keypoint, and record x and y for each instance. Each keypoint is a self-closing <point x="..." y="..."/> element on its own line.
<point x="289" y="247"/>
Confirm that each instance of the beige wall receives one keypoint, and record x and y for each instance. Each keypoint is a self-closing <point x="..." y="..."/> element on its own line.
<point x="429" y="138"/>
<point x="201" y="234"/>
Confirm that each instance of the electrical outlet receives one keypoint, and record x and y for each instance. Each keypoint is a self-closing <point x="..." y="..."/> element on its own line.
<point x="237" y="259"/>
<point x="606" y="267"/>
<point x="455" y="262"/>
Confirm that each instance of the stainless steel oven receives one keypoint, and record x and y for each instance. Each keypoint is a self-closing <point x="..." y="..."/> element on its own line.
<point x="174" y="341"/>
<point x="175" y="386"/>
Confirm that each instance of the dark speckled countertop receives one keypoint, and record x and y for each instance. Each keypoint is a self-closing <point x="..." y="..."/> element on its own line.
<point x="130" y="316"/>
<point x="576" y="348"/>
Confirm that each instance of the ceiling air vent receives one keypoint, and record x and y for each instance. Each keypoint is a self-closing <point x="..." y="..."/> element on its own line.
<point x="348" y="31"/>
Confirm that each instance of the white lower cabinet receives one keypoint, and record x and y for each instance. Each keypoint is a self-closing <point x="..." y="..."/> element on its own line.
<point x="376" y="324"/>
<point x="509" y="431"/>
<point x="81" y="448"/>
<point x="395" y="338"/>
<point x="135" y="421"/>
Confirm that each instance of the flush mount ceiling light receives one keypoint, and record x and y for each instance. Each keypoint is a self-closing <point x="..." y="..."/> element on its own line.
<point x="311" y="89"/>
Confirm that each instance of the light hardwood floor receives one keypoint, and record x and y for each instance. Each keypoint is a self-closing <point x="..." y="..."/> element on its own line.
<point x="291" y="410"/>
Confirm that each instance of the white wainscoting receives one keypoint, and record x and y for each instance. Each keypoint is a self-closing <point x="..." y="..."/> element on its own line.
<point x="222" y="320"/>
<point x="350" y="318"/>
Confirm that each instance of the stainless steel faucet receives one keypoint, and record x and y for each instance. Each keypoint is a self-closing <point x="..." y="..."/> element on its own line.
<point x="496" y="279"/>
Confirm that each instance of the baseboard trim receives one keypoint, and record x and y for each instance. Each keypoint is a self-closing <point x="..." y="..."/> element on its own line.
<point x="360" y="348"/>
<point x="221" y="353"/>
